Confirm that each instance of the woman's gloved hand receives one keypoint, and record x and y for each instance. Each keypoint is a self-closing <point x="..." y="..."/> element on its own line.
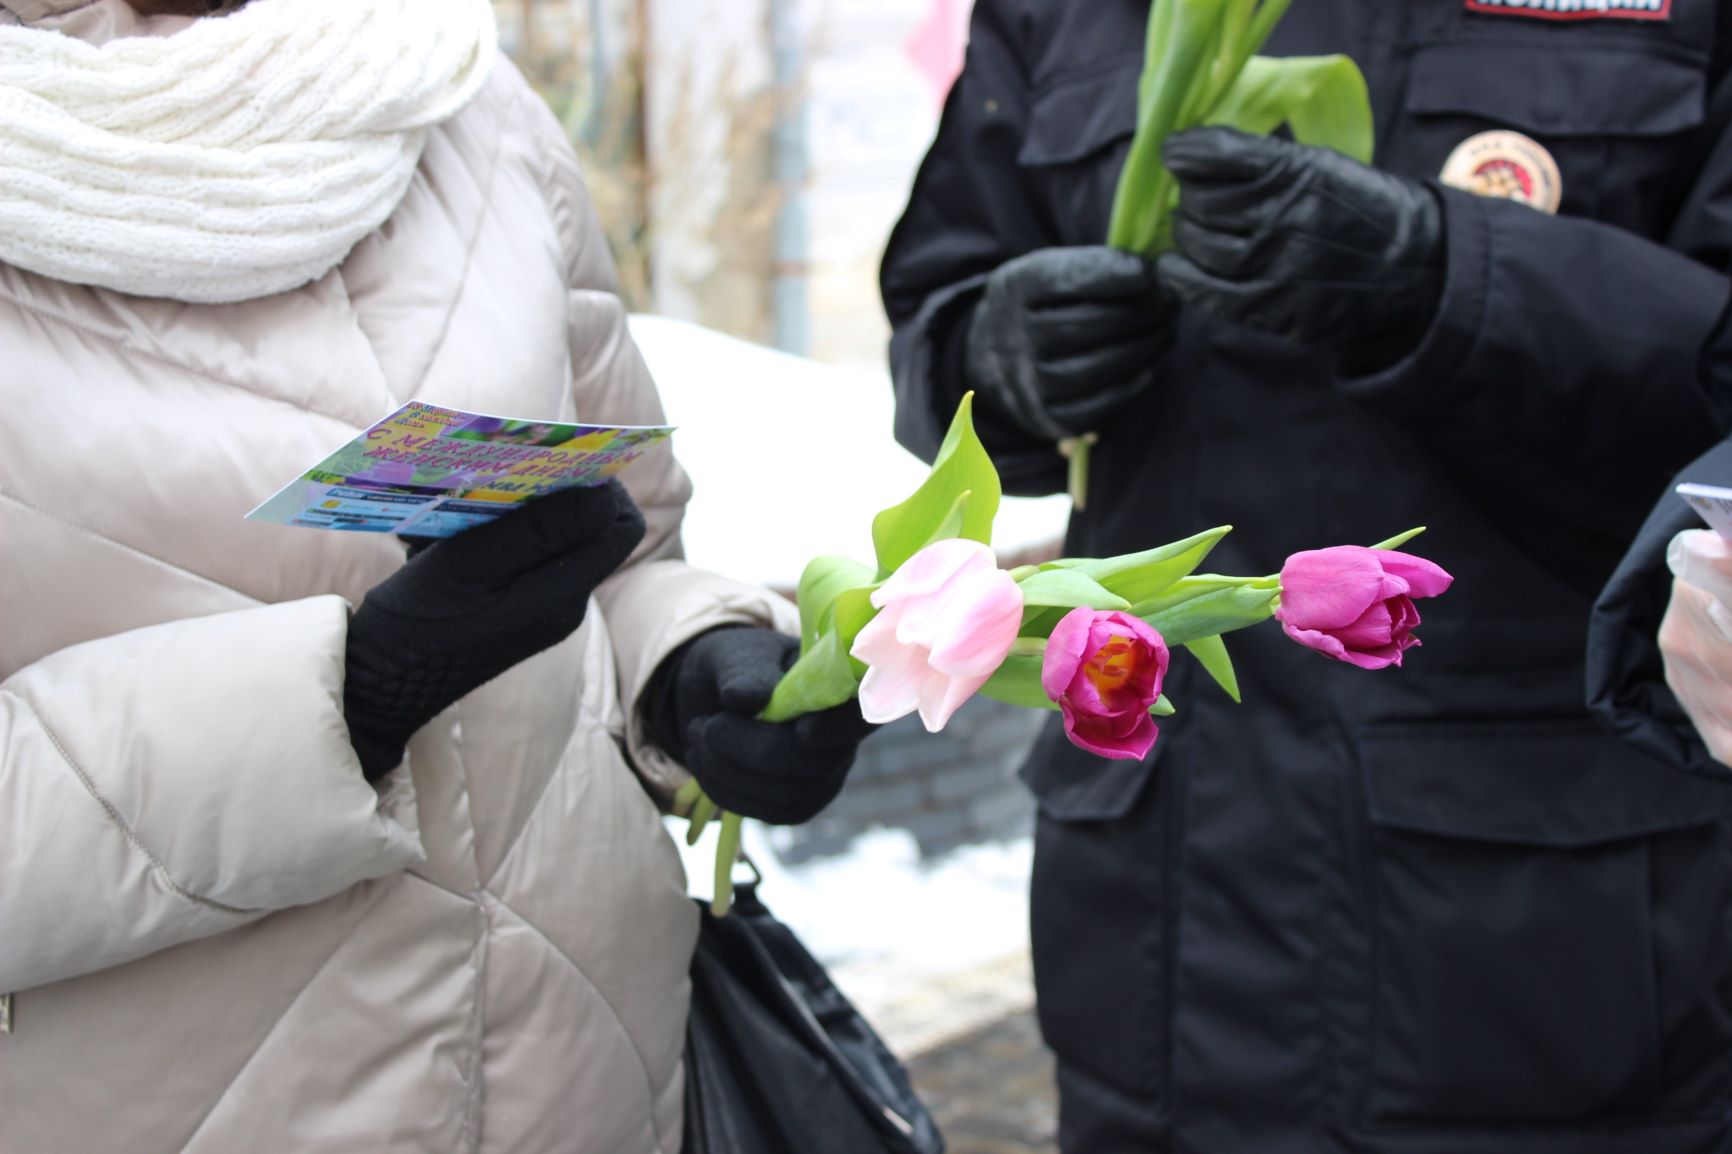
<point x="466" y="609"/>
<point x="702" y="708"/>
<point x="1696" y="635"/>
<point x="1064" y="338"/>
<point x="1304" y="243"/>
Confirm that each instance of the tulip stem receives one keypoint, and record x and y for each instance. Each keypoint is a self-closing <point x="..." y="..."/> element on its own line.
<point x="727" y="852"/>
<point x="701" y="815"/>
<point x="1076" y="450"/>
<point x="687" y="797"/>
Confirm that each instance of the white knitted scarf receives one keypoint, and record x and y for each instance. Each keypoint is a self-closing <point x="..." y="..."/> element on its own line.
<point x="243" y="156"/>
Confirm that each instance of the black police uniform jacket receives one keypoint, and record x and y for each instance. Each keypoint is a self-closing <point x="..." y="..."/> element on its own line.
<point x="1626" y="675"/>
<point x="1428" y="910"/>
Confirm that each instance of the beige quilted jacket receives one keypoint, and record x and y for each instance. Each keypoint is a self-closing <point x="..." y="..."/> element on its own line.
<point x="217" y="936"/>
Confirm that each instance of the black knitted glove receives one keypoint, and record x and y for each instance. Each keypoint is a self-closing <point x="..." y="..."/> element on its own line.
<point x="466" y="609"/>
<point x="1304" y="243"/>
<point x="702" y="708"/>
<point x="1065" y="338"/>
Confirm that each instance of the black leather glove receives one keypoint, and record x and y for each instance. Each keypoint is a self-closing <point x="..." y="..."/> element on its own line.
<point x="466" y="609"/>
<point x="1304" y="243"/>
<point x="1063" y="338"/>
<point x="702" y="708"/>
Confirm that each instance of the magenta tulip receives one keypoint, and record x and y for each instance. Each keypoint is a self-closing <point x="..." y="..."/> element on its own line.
<point x="1105" y="669"/>
<point x="947" y="618"/>
<point x="1356" y="604"/>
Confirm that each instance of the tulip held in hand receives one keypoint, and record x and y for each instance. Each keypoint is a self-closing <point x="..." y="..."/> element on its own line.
<point x="933" y="620"/>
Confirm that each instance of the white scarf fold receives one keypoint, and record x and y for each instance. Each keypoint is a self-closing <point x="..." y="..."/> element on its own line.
<point x="240" y="157"/>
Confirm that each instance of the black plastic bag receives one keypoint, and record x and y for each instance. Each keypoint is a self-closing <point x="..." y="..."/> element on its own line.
<point x="778" y="1061"/>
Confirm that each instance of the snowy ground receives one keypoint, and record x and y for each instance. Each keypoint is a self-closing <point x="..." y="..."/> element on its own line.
<point x="790" y="458"/>
<point x="927" y="952"/>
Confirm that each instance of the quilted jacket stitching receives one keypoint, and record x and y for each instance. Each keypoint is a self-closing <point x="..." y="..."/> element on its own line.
<point x="131" y="349"/>
<point x="222" y="1095"/>
<point x="96" y="535"/>
<point x="643" y="1065"/>
<point x="125" y="828"/>
<point x="474" y="1118"/>
<point x="474" y="1115"/>
<point x="437" y="345"/>
<point x="563" y="766"/>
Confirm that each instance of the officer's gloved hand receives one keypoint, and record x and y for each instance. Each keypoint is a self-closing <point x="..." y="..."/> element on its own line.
<point x="1064" y="337"/>
<point x="1304" y="243"/>
<point x="702" y="708"/>
<point x="466" y="609"/>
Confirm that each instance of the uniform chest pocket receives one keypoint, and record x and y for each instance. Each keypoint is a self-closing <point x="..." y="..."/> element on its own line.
<point x="1611" y="114"/>
<point x="1079" y="127"/>
<point x="1548" y="919"/>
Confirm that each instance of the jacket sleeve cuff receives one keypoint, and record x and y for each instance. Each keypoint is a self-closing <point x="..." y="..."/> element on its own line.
<point x="652" y="610"/>
<point x="928" y="358"/>
<point x="177" y="781"/>
<point x="926" y="365"/>
<point x="1423" y="378"/>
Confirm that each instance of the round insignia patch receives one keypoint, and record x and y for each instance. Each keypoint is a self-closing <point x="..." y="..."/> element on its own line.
<point x="1506" y="164"/>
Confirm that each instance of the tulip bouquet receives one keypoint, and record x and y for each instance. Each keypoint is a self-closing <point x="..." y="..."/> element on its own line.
<point x="936" y="621"/>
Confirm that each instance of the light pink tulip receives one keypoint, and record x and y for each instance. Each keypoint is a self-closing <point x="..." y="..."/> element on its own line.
<point x="1104" y="669"/>
<point x="947" y="618"/>
<point x="1356" y="604"/>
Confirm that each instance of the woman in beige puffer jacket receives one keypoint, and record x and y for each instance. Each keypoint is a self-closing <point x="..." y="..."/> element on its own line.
<point x="215" y="933"/>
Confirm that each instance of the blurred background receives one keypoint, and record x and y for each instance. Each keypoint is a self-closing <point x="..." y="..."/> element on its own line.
<point x="748" y="159"/>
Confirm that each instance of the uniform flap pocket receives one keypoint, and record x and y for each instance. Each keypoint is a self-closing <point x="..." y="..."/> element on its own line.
<point x="1071" y="785"/>
<point x="1072" y="116"/>
<point x="1565" y="784"/>
<point x="1608" y="91"/>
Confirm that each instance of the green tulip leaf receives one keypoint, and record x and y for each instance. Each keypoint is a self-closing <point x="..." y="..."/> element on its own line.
<point x="1162" y="707"/>
<point x="1219" y="611"/>
<point x="1399" y="539"/>
<point x="954" y="521"/>
<point x="1211" y="653"/>
<point x="1068" y="589"/>
<point x="1039" y="621"/>
<point x="962" y="473"/>
<point x="1185" y="589"/>
<point x="850" y="614"/>
<point x="823" y="677"/>
<point x="1139" y="576"/>
<point x="825" y="579"/>
<point x="1323" y="99"/>
<point x="1269" y="13"/>
<point x="1017" y="682"/>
